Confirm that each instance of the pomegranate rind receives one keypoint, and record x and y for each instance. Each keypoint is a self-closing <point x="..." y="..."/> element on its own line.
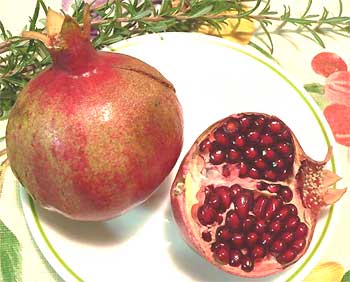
<point x="185" y="196"/>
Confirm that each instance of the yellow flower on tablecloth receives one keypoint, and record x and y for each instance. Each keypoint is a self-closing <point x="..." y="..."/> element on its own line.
<point x="240" y="31"/>
<point x="326" y="272"/>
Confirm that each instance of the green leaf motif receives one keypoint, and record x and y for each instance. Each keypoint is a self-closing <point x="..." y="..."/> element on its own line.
<point x="320" y="100"/>
<point x="346" y="277"/>
<point x="10" y="256"/>
<point x="315" y="88"/>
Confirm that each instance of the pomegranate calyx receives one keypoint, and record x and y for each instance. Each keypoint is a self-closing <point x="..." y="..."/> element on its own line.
<point x="329" y="178"/>
<point x="61" y="30"/>
<point x="333" y="195"/>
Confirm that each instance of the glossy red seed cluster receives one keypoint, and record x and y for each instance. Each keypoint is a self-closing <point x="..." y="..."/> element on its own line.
<point x="251" y="224"/>
<point x="259" y="146"/>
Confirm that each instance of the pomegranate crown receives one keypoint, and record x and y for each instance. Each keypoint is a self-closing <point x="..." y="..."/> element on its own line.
<point x="62" y="30"/>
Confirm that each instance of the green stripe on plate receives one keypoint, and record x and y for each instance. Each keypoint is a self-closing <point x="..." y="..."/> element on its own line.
<point x="69" y="270"/>
<point x="48" y="243"/>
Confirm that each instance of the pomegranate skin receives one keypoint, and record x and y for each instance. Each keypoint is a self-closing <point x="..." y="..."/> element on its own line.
<point x="95" y="134"/>
<point x="289" y="220"/>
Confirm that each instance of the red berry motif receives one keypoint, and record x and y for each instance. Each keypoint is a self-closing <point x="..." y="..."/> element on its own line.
<point x="338" y="117"/>
<point x="326" y="63"/>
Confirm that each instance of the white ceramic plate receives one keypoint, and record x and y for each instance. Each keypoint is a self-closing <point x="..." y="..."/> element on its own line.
<point x="213" y="78"/>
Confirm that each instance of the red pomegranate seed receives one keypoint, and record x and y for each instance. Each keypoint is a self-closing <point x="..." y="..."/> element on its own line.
<point x="217" y="155"/>
<point x="275" y="227"/>
<point x="221" y="137"/>
<point x="225" y="197"/>
<point x="273" y="206"/>
<point x="269" y="154"/>
<point x="222" y="254"/>
<point x="260" y="206"/>
<point x="248" y="223"/>
<point x="243" y="204"/>
<point x="235" y="190"/>
<point x="213" y="200"/>
<point x="283" y="213"/>
<point x="277" y="246"/>
<point x="292" y="209"/>
<point x="260" y="122"/>
<point x="270" y="175"/>
<point x="251" y="239"/>
<point x="278" y="164"/>
<point x="206" y="236"/>
<point x="233" y="156"/>
<point x="219" y="218"/>
<point x="258" y="252"/>
<point x="275" y="127"/>
<point x="284" y="148"/>
<point x="216" y="245"/>
<point x="233" y="221"/>
<point x="206" y="215"/>
<point x="284" y="174"/>
<point x="251" y="153"/>
<point x="301" y="230"/>
<point x="208" y="189"/>
<point x="237" y="240"/>
<point x="287" y="237"/>
<point x="245" y="123"/>
<point x="243" y="169"/>
<point x="266" y="239"/>
<point x="292" y="223"/>
<point x="261" y="186"/>
<point x="284" y="135"/>
<point x="253" y="137"/>
<point x="235" y="258"/>
<point x="260" y="226"/>
<point x="247" y="264"/>
<point x="286" y="194"/>
<point x="290" y="158"/>
<point x="287" y="256"/>
<point x="223" y="234"/>
<point x="266" y="140"/>
<point x="239" y="141"/>
<point x="205" y="146"/>
<point x="231" y="126"/>
<point x="254" y="173"/>
<point x="273" y="188"/>
<point x="260" y="164"/>
<point x="298" y="245"/>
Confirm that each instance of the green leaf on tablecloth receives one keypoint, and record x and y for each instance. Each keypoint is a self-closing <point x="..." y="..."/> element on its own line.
<point x="10" y="256"/>
<point x="316" y="91"/>
<point x="320" y="100"/>
<point x="314" y="88"/>
<point x="346" y="277"/>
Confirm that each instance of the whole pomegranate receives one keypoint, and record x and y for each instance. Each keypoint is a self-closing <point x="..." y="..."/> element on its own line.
<point x="246" y="196"/>
<point x="97" y="132"/>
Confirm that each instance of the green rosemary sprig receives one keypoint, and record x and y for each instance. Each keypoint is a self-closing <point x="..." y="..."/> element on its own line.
<point x="21" y="60"/>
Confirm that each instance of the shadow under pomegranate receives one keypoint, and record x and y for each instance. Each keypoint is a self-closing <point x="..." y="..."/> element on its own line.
<point x="107" y="233"/>
<point x="247" y="197"/>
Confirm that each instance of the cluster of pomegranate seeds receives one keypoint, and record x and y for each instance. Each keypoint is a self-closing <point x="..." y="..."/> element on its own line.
<point x="260" y="146"/>
<point x="244" y="226"/>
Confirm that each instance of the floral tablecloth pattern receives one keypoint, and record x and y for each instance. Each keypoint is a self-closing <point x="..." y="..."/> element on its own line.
<point x="326" y="76"/>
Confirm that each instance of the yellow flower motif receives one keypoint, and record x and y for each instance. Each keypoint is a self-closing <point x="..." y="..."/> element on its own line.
<point x="326" y="272"/>
<point x="240" y="31"/>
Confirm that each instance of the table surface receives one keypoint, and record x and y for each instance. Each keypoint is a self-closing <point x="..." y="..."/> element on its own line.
<point x="294" y="54"/>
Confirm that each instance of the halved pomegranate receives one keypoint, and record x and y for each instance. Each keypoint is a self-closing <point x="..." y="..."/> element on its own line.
<point x="247" y="197"/>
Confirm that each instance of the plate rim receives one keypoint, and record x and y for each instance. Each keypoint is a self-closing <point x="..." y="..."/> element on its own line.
<point x="28" y="205"/>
